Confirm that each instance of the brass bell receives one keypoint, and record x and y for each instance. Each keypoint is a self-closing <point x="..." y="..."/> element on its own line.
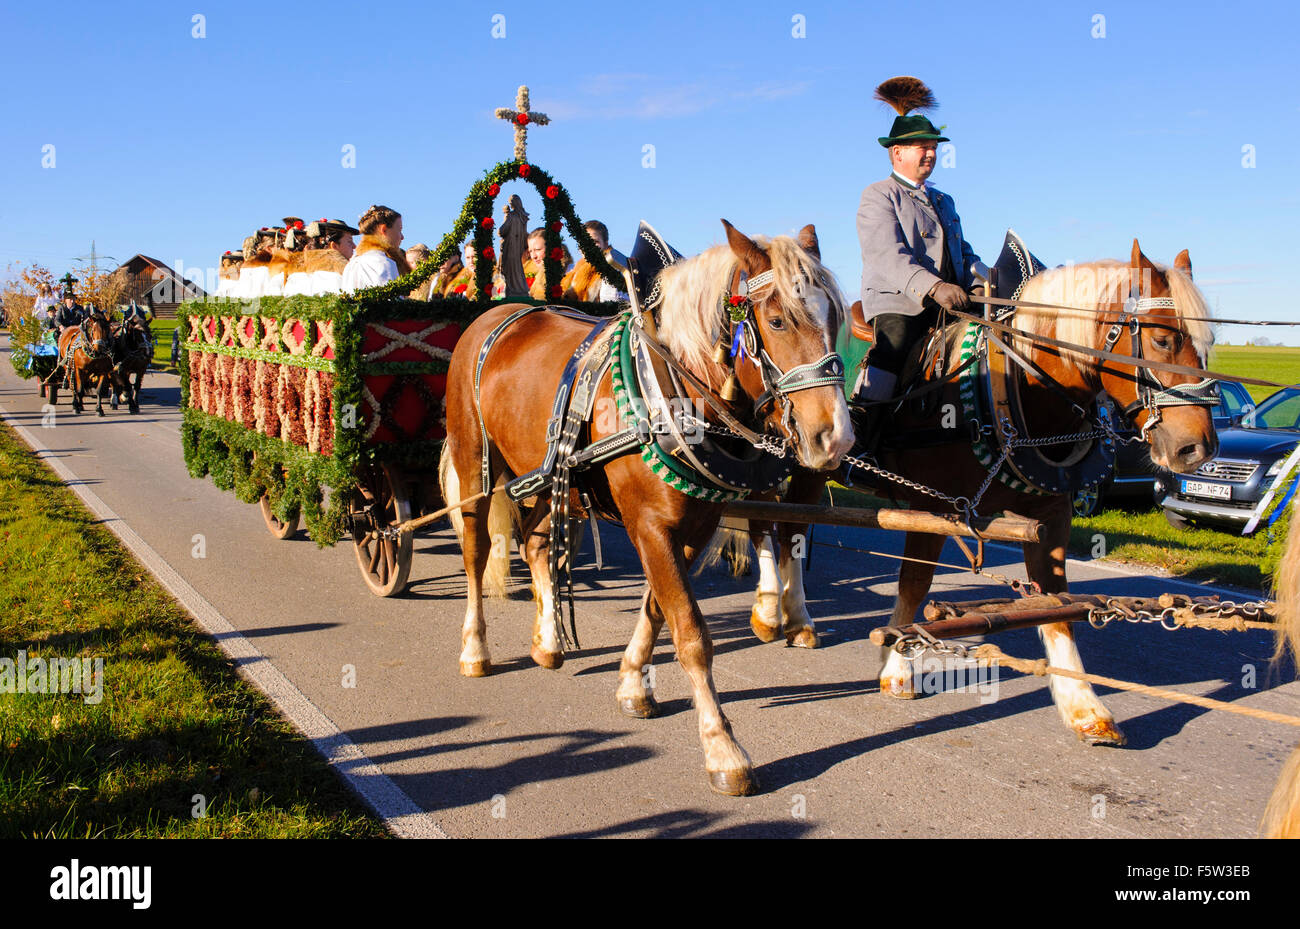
<point x="722" y="352"/>
<point x="731" y="391"/>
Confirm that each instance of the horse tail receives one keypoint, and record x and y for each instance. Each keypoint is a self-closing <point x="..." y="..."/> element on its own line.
<point x="1286" y="588"/>
<point x="1282" y="815"/>
<point x="730" y="543"/>
<point x="502" y="520"/>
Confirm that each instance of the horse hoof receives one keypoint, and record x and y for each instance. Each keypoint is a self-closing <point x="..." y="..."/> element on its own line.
<point x="764" y="632"/>
<point x="900" y="689"/>
<point x="804" y="637"/>
<point x="99" y="413"/>
<point x="476" y="668"/>
<point x="638" y="707"/>
<point x="548" y="660"/>
<point x="733" y="783"/>
<point x="1103" y="732"/>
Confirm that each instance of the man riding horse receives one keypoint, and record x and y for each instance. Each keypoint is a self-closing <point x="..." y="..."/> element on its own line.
<point x="915" y="260"/>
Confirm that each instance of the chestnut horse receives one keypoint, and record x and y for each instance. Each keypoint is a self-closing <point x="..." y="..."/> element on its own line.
<point x="796" y="312"/>
<point x="86" y="350"/>
<point x="1180" y="436"/>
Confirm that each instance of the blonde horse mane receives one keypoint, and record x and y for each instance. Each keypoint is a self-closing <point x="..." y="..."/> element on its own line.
<point x="691" y="317"/>
<point x="1091" y="287"/>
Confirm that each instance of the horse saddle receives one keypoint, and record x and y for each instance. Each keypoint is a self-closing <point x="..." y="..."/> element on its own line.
<point x="650" y="255"/>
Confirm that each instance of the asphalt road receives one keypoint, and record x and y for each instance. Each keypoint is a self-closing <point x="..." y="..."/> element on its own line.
<point x="530" y="752"/>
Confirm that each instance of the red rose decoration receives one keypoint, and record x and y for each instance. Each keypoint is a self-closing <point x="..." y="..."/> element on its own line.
<point x="525" y="170"/>
<point x="298" y="224"/>
<point x="556" y="291"/>
<point x="737" y="301"/>
<point x="521" y="119"/>
<point x="557" y="253"/>
<point x="494" y="190"/>
<point x="489" y="253"/>
<point x="488" y="222"/>
<point x="552" y="192"/>
<point x="530" y="278"/>
<point x="557" y="226"/>
<point x="461" y="288"/>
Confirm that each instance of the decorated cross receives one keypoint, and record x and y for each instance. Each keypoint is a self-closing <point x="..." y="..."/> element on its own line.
<point x="521" y="116"/>
<point x="68" y="280"/>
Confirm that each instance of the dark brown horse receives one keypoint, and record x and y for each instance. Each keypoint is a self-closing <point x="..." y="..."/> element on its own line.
<point x="132" y="353"/>
<point x="1180" y="436"/>
<point x="795" y="315"/>
<point x="86" y="352"/>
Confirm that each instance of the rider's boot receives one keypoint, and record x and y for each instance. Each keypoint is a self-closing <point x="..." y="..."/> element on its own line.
<point x="867" y="411"/>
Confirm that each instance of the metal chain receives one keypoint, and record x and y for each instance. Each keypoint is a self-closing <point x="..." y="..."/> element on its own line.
<point x="1102" y="617"/>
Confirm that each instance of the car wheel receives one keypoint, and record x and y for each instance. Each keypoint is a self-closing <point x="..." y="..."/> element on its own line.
<point x="1086" y="501"/>
<point x="1177" y="521"/>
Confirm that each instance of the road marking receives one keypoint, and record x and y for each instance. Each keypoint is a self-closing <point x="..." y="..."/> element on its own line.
<point x="401" y="814"/>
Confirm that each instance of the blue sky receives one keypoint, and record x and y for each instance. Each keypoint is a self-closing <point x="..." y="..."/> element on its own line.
<point x="178" y="147"/>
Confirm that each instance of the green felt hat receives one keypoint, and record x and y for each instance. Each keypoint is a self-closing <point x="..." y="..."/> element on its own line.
<point x="909" y="129"/>
<point x="906" y="94"/>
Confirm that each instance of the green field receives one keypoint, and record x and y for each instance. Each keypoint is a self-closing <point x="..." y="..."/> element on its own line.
<point x="162" y="343"/>
<point x="175" y="722"/>
<point x="1280" y="365"/>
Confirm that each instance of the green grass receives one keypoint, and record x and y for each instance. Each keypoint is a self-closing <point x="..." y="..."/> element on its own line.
<point x="162" y="344"/>
<point x="1146" y="538"/>
<point x="175" y="719"/>
<point x="1280" y="365"/>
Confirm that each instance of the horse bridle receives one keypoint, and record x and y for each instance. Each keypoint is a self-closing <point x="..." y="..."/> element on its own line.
<point x="777" y="384"/>
<point x="1153" y="396"/>
<point x="88" y="344"/>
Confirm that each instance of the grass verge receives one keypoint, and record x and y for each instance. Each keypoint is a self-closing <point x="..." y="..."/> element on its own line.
<point x="175" y="722"/>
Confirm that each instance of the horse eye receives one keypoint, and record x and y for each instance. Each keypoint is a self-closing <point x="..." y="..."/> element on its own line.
<point x="776" y="322"/>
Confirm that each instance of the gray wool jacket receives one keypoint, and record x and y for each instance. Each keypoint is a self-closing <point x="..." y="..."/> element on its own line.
<point x="903" y="236"/>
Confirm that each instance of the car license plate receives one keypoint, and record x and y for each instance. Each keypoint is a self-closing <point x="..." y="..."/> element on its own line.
<point x="1206" y="489"/>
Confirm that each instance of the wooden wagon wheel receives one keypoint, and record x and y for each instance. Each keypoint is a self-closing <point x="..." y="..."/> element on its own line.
<point x="381" y="502"/>
<point x="281" y="530"/>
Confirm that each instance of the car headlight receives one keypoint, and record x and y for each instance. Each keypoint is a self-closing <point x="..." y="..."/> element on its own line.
<point x="1275" y="467"/>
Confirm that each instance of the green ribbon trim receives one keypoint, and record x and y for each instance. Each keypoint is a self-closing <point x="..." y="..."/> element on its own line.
<point x="313" y="362"/>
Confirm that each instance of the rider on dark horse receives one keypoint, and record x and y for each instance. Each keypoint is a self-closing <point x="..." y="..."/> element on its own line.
<point x="915" y="260"/>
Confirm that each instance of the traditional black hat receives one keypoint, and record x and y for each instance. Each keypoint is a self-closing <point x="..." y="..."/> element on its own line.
<point x="905" y="94"/>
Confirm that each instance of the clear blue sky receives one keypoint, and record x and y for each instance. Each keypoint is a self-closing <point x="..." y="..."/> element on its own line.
<point x="178" y="147"/>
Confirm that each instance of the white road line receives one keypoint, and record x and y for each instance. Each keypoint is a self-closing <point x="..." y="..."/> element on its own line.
<point x="402" y="815"/>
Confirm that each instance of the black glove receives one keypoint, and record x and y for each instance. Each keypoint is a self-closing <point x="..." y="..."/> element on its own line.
<point x="949" y="296"/>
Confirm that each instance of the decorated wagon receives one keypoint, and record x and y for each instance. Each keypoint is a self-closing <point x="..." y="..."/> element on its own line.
<point x="329" y="409"/>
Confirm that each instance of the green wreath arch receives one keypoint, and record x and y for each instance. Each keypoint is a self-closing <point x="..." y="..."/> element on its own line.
<point x="558" y="212"/>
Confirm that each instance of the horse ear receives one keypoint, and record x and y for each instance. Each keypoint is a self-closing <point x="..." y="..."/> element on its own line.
<point x="1183" y="262"/>
<point x="808" y="241"/>
<point x="752" y="258"/>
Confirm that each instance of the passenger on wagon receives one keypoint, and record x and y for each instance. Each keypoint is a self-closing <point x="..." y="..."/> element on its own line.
<point x="378" y="258"/>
